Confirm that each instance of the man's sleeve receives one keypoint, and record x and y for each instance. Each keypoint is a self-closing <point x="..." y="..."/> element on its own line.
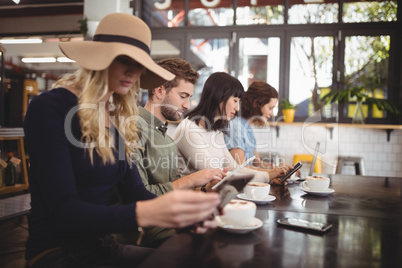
<point x="141" y="163"/>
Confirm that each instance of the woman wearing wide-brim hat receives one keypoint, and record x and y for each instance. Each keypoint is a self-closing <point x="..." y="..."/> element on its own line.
<point x="81" y="136"/>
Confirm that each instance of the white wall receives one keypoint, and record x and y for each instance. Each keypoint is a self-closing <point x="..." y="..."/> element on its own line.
<point x="380" y="157"/>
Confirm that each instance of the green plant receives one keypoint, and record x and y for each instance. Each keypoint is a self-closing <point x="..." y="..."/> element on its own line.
<point x="348" y="94"/>
<point x="83" y="25"/>
<point x="286" y="104"/>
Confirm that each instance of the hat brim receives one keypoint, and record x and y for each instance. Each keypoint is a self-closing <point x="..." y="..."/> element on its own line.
<point x="99" y="55"/>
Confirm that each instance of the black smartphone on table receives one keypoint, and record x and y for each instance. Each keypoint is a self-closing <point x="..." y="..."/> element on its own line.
<point x="303" y="224"/>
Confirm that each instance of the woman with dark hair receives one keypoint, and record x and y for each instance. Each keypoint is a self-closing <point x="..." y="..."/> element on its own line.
<point x="259" y="102"/>
<point x="199" y="137"/>
<point x="257" y="107"/>
<point x="219" y="88"/>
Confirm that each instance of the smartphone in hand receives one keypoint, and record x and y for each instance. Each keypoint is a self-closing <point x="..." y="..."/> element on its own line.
<point x="227" y="191"/>
<point x="233" y="172"/>
<point x="291" y="171"/>
<point x="231" y="187"/>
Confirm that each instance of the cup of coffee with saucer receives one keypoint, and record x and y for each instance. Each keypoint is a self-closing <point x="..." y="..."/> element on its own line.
<point x="257" y="192"/>
<point x="317" y="185"/>
<point x="239" y="217"/>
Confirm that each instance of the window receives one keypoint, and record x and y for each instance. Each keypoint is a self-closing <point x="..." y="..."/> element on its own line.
<point x="304" y="48"/>
<point x="311" y="68"/>
<point x="312" y="13"/>
<point x="211" y="13"/>
<point x="166" y="13"/>
<point x="213" y="56"/>
<point x="366" y="67"/>
<point x="370" y="11"/>
<point x="259" y="60"/>
<point x="262" y="12"/>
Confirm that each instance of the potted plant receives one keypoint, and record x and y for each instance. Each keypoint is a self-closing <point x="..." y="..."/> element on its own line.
<point x="288" y="110"/>
<point x="360" y="95"/>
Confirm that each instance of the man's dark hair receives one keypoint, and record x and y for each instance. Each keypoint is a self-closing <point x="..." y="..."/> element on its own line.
<point x="182" y="71"/>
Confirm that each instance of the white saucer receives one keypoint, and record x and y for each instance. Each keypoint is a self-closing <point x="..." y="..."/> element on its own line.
<point x="293" y="179"/>
<point x="253" y="225"/>
<point x="319" y="193"/>
<point x="267" y="199"/>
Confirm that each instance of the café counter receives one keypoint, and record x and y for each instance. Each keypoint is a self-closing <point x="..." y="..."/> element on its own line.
<point x="366" y="217"/>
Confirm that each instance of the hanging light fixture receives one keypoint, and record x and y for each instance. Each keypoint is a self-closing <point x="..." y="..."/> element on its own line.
<point x="20" y="41"/>
<point x="39" y="60"/>
<point x="64" y="59"/>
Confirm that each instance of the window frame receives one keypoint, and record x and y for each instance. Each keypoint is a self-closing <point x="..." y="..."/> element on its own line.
<point x="285" y="32"/>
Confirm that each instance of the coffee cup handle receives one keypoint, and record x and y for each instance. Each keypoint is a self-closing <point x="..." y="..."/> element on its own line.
<point x="304" y="185"/>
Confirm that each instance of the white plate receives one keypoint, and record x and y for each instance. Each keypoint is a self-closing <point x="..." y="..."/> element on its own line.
<point x="253" y="225"/>
<point x="319" y="193"/>
<point x="267" y="199"/>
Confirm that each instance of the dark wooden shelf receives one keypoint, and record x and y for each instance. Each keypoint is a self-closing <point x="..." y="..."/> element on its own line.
<point x="24" y="171"/>
<point x="13" y="189"/>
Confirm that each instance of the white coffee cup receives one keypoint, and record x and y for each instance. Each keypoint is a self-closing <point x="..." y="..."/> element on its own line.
<point x="239" y="212"/>
<point x="257" y="190"/>
<point x="316" y="183"/>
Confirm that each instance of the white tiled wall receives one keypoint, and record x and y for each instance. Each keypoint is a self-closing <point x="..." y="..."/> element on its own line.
<point x="381" y="157"/>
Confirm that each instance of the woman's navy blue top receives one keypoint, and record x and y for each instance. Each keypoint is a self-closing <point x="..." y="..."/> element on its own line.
<point x="70" y="197"/>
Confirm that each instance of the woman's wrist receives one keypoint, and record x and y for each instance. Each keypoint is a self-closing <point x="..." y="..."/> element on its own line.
<point x="141" y="212"/>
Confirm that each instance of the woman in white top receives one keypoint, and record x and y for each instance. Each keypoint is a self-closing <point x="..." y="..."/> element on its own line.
<point x="199" y="137"/>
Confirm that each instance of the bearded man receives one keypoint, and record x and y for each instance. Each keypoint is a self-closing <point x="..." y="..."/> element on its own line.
<point x="156" y="159"/>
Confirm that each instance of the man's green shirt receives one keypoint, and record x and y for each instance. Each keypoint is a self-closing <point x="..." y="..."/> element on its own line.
<point x="157" y="157"/>
<point x="156" y="160"/>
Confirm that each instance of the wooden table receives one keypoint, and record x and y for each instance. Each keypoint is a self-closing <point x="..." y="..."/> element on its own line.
<point x="15" y="206"/>
<point x="366" y="214"/>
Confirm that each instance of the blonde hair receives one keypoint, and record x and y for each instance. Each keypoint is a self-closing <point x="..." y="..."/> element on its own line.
<point x="92" y="87"/>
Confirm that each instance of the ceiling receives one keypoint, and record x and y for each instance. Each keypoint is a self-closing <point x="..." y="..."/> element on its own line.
<point x="47" y="19"/>
<point x="8" y="8"/>
<point x="50" y="20"/>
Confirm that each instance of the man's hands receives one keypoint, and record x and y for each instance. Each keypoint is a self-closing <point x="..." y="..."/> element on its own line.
<point x="277" y="172"/>
<point x="207" y="175"/>
<point x="200" y="178"/>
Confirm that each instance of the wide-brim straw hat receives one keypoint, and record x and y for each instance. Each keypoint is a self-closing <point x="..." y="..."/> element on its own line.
<point x="118" y="34"/>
